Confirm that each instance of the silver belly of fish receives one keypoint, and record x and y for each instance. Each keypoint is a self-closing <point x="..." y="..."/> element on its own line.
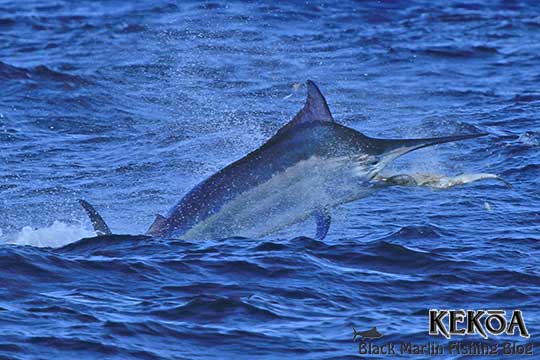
<point x="287" y="198"/>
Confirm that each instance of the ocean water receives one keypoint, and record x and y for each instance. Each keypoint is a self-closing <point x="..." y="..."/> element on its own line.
<point x="130" y="104"/>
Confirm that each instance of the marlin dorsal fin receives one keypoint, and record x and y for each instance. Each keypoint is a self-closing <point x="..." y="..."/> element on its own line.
<point x="315" y="108"/>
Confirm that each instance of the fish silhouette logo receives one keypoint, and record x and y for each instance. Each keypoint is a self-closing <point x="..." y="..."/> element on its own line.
<point x="372" y="333"/>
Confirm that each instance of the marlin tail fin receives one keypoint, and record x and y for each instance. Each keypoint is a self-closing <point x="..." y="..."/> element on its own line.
<point x="100" y="227"/>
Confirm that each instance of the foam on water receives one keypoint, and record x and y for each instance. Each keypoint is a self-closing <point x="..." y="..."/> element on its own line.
<point x="56" y="235"/>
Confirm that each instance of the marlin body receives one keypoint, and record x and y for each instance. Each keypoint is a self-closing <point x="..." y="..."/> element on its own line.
<point x="311" y="165"/>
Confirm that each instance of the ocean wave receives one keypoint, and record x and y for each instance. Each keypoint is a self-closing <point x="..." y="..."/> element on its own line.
<point x="77" y="344"/>
<point x="39" y="73"/>
<point x="448" y="51"/>
<point x="12" y="72"/>
<point x="90" y="244"/>
<point x="526" y="98"/>
<point x="206" y="308"/>
<point x="415" y="232"/>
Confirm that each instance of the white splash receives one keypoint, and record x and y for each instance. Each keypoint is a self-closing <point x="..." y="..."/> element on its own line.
<point x="56" y="235"/>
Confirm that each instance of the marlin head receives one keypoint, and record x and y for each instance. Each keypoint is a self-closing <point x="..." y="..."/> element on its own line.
<point x="370" y="155"/>
<point x="380" y="152"/>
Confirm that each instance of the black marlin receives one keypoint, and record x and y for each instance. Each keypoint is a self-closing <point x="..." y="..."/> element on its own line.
<point x="372" y="333"/>
<point x="311" y="165"/>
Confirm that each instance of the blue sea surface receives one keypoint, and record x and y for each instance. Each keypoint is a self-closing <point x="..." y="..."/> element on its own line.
<point x="130" y="104"/>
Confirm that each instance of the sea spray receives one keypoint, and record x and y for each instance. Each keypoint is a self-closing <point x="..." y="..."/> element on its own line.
<point x="56" y="235"/>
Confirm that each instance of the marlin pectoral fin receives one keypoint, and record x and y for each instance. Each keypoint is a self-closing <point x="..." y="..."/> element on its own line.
<point x="323" y="218"/>
<point x="157" y="225"/>
<point x="100" y="227"/>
